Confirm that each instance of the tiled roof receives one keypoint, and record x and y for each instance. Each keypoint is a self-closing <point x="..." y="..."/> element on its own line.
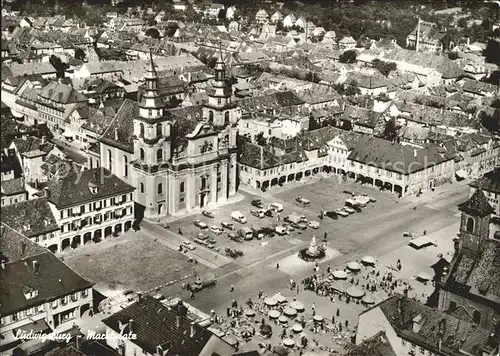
<point x="477" y="274"/>
<point x="366" y="81"/>
<point x="490" y="182"/>
<point x="377" y="345"/>
<point x="12" y="186"/>
<point x="393" y="156"/>
<point x="123" y="125"/>
<point x="157" y="325"/>
<point x="477" y="204"/>
<point x="63" y="94"/>
<point x="14" y="246"/>
<point x="32" y="69"/>
<point x="270" y="102"/>
<point x="51" y="278"/>
<point x="31" y="143"/>
<point x="73" y="189"/>
<point x="455" y="336"/>
<point x="35" y="212"/>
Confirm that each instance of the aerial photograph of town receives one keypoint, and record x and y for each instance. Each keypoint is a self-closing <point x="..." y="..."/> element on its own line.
<point x="250" y="178"/>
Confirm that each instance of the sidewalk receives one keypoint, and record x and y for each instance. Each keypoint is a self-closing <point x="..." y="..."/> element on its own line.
<point x="168" y="219"/>
<point x="428" y="196"/>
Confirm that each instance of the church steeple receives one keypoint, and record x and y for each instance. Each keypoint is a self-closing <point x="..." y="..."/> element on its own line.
<point x="151" y="105"/>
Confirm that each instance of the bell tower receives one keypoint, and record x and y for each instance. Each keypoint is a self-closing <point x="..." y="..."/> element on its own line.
<point x="220" y="110"/>
<point x="151" y="131"/>
<point x="475" y="221"/>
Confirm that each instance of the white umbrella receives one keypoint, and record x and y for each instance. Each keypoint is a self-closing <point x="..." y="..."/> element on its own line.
<point x="369" y="260"/>
<point x="339" y="274"/>
<point x="298" y="306"/>
<point x="355" y="292"/>
<point x="354" y="266"/>
<point x="423" y="276"/>
<point x="297" y="328"/>
<point x="279" y="298"/>
<point x="283" y="319"/>
<point x="250" y="312"/>
<point x="318" y="317"/>
<point x="368" y="299"/>
<point x="274" y="314"/>
<point x="270" y="301"/>
<point x="289" y="311"/>
<point x="289" y="342"/>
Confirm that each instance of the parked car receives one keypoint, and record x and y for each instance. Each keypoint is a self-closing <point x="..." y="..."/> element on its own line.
<point x="342" y="213"/>
<point x="239" y="217"/>
<point x="313" y="224"/>
<point x="200" y="241"/>
<point x="269" y="231"/>
<point x="302" y="200"/>
<point x="281" y="230"/>
<point x="258" y="234"/>
<point x="276" y="207"/>
<point x="372" y="200"/>
<point x="288" y="227"/>
<point x="257" y="203"/>
<point x="300" y="225"/>
<point x="358" y="209"/>
<point x="332" y="215"/>
<point x="258" y="213"/>
<point x="159" y="297"/>
<point x="208" y="214"/>
<point x="200" y="224"/>
<point x="227" y="225"/>
<point x="268" y="213"/>
<point x="234" y="237"/>
<point x="211" y="241"/>
<point x="349" y="210"/>
<point x="216" y="230"/>
<point x="189" y="245"/>
<point x="303" y="219"/>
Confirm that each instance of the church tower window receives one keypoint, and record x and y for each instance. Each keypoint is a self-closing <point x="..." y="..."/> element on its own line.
<point x="141" y="154"/>
<point x="159" y="155"/>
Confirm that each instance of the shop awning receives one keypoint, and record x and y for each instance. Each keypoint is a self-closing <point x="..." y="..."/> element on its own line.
<point x="461" y="174"/>
<point x="35" y="326"/>
<point x="420" y="242"/>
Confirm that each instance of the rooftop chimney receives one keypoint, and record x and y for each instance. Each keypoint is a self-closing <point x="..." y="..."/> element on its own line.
<point x="36" y="266"/>
<point x="178" y="321"/>
<point x="23" y="248"/>
<point x="130" y="325"/>
<point x="193" y="330"/>
<point x="3" y="264"/>
<point x="417" y="323"/>
<point x="116" y="133"/>
<point x="44" y="139"/>
<point x="139" y="296"/>
<point x="399" y="305"/>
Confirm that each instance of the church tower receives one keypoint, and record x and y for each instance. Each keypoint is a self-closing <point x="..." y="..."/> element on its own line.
<point x="151" y="142"/>
<point x="475" y="221"/>
<point x="220" y="110"/>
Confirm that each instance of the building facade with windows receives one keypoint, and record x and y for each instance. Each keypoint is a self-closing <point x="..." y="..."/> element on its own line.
<point x="490" y="185"/>
<point x="90" y="205"/>
<point x="39" y="292"/>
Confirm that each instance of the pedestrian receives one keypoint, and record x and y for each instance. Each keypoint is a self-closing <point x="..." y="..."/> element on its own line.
<point x="277" y="266"/>
<point x="228" y="310"/>
<point x="297" y="289"/>
<point x="346" y="323"/>
<point x="231" y="289"/>
<point x="313" y="307"/>
<point x="192" y="296"/>
<point x="333" y="319"/>
<point x="328" y="269"/>
<point x="338" y="312"/>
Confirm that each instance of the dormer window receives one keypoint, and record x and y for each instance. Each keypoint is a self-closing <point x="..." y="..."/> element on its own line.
<point x="29" y="293"/>
<point x="93" y="190"/>
<point x="48" y="222"/>
<point x="27" y="227"/>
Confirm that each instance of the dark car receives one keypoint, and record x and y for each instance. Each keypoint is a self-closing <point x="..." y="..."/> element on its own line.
<point x="257" y="203"/>
<point x="300" y="225"/>
<point x="357" y="208"/>
<point x="234" y="237"/>
<point x="268" y="213"/>
<point x="226" y="225"/>
<point x="332" y="215"/>
<point x="208" y="214"/>
<point x="269" y="231"/>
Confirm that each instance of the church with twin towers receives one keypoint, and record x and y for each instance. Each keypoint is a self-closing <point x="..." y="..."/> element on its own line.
<point x="178" y="159"/>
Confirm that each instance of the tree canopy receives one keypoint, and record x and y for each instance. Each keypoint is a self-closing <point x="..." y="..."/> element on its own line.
<point x="348" y="57"/>
<point x="384" y="67"/>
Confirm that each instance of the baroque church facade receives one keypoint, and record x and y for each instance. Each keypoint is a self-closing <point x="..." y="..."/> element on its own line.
<point x="180" y="159"/>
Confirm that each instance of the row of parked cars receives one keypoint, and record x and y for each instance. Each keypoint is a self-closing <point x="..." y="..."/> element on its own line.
<point x="352" y="205"/>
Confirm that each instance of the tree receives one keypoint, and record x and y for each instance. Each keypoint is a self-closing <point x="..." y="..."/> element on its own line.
<point x="390" y="130"/>
<point x="352" y="89"/>
<point x="58" y="65"/>
<point x="348" y="57"/>
<point x="153" y="32"/>
<point x="259" y="139"/>
<point x="462" y="22"/>
<point x="384" y="67"/>
<point x="453" y="56"/>
<point x="80" y="54"/>
<point x="495" y="104"/>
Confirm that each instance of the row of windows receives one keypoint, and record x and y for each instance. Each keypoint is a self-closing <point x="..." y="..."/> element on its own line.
<point x="159" y="188"/>
<point x="41" y="308"/>
<point x="96" y="220"/>
<point x="94" y="206"/>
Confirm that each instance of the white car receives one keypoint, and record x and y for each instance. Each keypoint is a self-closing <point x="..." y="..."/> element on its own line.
<point x="200" y="224"/>
<point x="313" y="224"/>
<point x="342" y="213"/>
<point x="189" y="245"/>
<point x="216" y="230"/>
<point x="349" y="210"/>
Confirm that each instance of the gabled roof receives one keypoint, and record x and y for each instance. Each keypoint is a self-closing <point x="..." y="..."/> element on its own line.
<point x="395" y="157"/>
<point x="12" y="187"/>
<point x="35" y="212"/>
<point x="73" y="189"/>
<point x="50" y="277"/>
<point x="490" y="182"/>
<point x="157" y="325"/>
<point x="377" y="345"/>
<point x="61" y="93"/>
<point x="477" y="205"/>
<point x="437" y="329"/>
